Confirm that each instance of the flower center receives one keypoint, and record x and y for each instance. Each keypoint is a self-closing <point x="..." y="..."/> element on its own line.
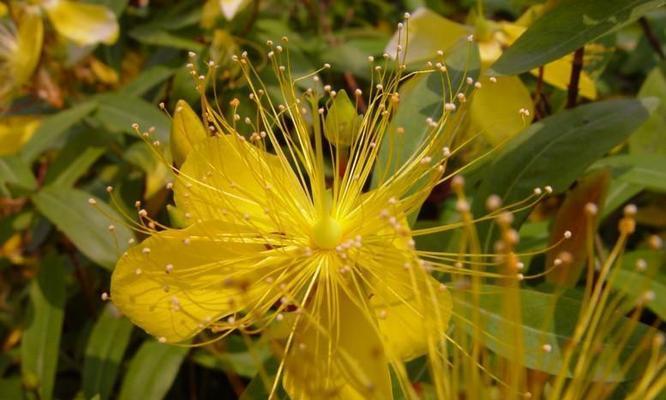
<point x="326" y="233"/>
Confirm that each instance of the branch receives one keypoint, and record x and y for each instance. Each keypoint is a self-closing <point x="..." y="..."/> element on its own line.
<point x="576" y="69"/>
<point x="651" y="37"/>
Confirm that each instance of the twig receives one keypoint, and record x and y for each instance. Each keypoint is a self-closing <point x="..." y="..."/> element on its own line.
<point x="537" y="92"/>
<point x="576" y="69"/>
<point x="353" y="85"/>
<point x="253" y="18"/>
<point x="651" y="37"/>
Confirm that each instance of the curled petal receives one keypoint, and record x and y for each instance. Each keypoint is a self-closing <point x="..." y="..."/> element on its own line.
<point x="84" y="24"/>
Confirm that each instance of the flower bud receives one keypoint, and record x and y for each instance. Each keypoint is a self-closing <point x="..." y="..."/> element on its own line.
<point x="186" y="131"/>
<point x="342" y="122"/>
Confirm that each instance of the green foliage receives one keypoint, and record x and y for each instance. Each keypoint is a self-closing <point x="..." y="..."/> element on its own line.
<point x="62" y="233"/>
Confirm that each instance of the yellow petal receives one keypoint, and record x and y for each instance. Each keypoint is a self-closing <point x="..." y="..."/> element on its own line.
<point x="231" y="7"/>
<point x="15" y="131"/>
<point x="227" y="178"/>
<point x="337" y="355"/>
<point x="558" y="74"/>
<point x="177" y="281"/>
<point x="30" y="37"/>
<point x="82" y="23"/>
<point x="428" y="32"/>
<point x="489" y="51"/>
<point x="405" y="324"/>
<point x="412" y="307"/>
<point x="494" y="111"/>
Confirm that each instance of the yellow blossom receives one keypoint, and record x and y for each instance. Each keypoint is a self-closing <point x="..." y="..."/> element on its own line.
<point x="15" y="131"/>
<point x="512" y="106"/>
<point x="20" y="47"/>
<point x="82" y="23"/>
<point x="271" y="240"/>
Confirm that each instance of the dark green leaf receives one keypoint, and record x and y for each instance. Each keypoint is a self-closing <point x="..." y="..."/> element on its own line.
<point x="53" y="127"/>
<point x="646" y="170"/>
<point x="546" y="319"/>
<point x="567" y="27"/>
<point x="641" y="278"/>
<point x="104" y="351"/>
<point x="14" y="172"/>
<point x="651" y="137"/>
<point x="119" y="111"/>
<point x="86" y="226"/>
<point x="39" y="345"/>
<point x="148" y="79"/>
<point x="152" y="371"/>
<point x="75" y="159"/>
<point x="556" y="150"/>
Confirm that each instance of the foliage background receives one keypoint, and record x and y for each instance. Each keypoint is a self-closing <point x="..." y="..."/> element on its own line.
<point x="60" y="340"/>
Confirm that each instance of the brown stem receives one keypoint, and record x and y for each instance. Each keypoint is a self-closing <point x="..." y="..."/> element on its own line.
<point x="576" y="69"/>
<point x="82" y="279"/>
<point x="537" y="93"/>
<point x="353" y="85"/>
<point x="651" y="37"/>
<point x="253" y="18"/>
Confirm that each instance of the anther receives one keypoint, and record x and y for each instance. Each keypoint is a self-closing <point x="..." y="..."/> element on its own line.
<point x="145" y="250"/>
<point x="591" y="209"/>
<point x="630" y="210"/>
<point x="168" y="268"/>
<point x="104" y="296"/>
<point x="92" y="201"/>
<point x="547" y="348"/>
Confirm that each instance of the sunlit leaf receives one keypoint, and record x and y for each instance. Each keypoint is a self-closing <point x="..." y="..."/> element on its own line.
<point x="568" y="26"/>
<point x="41" y="339"/>
<point x="151" y="371"/>
<point x="86" y="226"/>
<point x="104" y="351"/>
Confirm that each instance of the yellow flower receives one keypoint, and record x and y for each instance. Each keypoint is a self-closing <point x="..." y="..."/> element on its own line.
<point x="273" y="241"/>
<point x="15" y="131"/>
<point x="505" y="106"/>
<point x="20" y="47"/>
<point x="82" y="23"/>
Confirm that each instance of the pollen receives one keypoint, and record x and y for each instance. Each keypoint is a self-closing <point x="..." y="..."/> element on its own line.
<point x="326" y="233"/>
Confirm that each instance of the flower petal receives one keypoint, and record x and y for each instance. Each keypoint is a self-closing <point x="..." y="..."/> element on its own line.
<point x="177" y="281"/>
<point x="30" y="38"/>
<point x="15" y="131"/>
<point x="558" y="74"/>
<point x="406" y="324"/>
<point x="495" y="108"/>
<point x="428" y="32"/>
<point x="231" y="7"/>
<point x="82" y="23"/>
<point x="226" y="178"/>
<point x="337" y="355"/>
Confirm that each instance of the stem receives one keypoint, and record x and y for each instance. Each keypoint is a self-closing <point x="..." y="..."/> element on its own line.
<point x="651" y="37"/>
<point x="576" y="69"/>
<point x="538" y="91"/>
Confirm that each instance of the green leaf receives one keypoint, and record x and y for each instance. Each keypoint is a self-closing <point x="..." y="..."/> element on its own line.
<point x="75" y="159"/>
<point x="104" y="351"/>
<point x="86" y="226"/>
<point x="39" y="345"/>
<point x="260" y="386"/>
<point x="645" y="170"/>
<point x="117" y="112"/>
<point x="637" y="279"/>
<point x="557" y="150"/>
<point x="651" y="137"/>
<point x="14" y="172"/>
<point x="422" y="97"/>
<point x="235" y="358"/>
<point x="159" y="37"/>
<point x="152" y="371"/>
<point x="567" y="27"/>
<point x="546" y="319"/>
<point x="147" y="80"/>
<point x="53" y="127"/>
